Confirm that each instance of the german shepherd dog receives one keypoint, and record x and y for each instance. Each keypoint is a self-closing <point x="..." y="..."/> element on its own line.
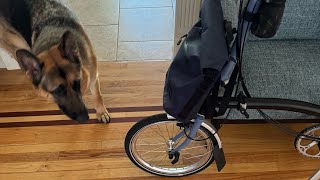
<point x="51" y="46"/>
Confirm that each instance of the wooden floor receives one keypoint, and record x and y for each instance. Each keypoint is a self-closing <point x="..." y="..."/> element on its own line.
<point x="37" y="142"/>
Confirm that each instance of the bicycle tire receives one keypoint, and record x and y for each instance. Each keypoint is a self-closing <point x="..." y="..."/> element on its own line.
<point x="160" y="118"/>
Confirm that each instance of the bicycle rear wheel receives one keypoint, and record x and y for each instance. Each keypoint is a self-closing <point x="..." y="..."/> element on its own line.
<point x="149" y="141"/>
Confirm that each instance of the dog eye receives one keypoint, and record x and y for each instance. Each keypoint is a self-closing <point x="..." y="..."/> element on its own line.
<point x="76" y="85"/>
<point x="60" y="91"/>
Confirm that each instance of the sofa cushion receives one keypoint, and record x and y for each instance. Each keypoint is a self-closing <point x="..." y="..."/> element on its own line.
<point x="283" y="69"/>
<point x="301" y="20"/>
<point x="230" y="11"/>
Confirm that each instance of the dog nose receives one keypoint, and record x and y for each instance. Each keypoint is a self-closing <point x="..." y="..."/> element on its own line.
<point x="81" y="118"/>
<point x="74" y="115"/>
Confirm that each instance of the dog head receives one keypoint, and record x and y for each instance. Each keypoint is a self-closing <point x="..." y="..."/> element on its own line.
<point x="58" y="74"/>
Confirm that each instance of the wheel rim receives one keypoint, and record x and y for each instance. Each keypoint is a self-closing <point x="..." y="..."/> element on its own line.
<point x="307" y="147"/>
<point x="150" y="145"/>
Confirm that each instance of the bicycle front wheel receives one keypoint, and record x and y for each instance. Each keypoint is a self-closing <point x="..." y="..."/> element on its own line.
<point x="149" y="141"/>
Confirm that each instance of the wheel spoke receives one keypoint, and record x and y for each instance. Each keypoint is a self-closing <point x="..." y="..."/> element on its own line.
<point x="194" y="147"/>
<point x="155" y="158"/>
<point x="193" y="156"/>
<point x="199" y="155"/>
<point x="162" y="160"/>
<point x="168" y="132"/>
<point x="159" y="134"/>
<point x="146" y="151"/>
<point x="146" y="144"/>
<point x="173" y="131"/>
<point x="193" y="162"/>
<point x="197" y="138"/>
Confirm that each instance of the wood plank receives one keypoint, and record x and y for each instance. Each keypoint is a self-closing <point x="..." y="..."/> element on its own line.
<point x="273" y="175"/>
<point x="58" y="112"/>
<point x="52" y="147"/>
<point x="75" y="175"/>
<point x="63" y="117"/>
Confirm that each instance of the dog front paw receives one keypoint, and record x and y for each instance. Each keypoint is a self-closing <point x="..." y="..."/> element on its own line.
<point x="104" y="117"/>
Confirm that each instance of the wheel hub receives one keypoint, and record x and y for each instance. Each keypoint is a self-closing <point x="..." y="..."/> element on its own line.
<point x="170" y="145"/>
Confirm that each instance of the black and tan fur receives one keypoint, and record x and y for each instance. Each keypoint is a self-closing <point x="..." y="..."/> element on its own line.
<point x="50" y="45"/>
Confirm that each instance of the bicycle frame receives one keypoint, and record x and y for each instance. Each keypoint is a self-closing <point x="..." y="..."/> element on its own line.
<point x="250" y="103"/>
<point x="253" y="6"/>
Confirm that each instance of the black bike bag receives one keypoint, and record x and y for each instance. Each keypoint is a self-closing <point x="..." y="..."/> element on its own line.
<point x="268" y="19"/>
<point x="197" y="65"/>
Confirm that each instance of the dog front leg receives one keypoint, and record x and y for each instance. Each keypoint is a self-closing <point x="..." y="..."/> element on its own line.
<point x="102" y="113"/>
<point x="10" y="39"/>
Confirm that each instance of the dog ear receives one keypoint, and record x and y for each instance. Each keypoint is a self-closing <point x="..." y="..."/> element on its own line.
<point x="68" y="46"/>
<point x="30" y="63"/>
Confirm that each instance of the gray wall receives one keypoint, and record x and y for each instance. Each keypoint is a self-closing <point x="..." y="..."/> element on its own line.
<point x="126" y="30"/>
<point x="100" y="20"/>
